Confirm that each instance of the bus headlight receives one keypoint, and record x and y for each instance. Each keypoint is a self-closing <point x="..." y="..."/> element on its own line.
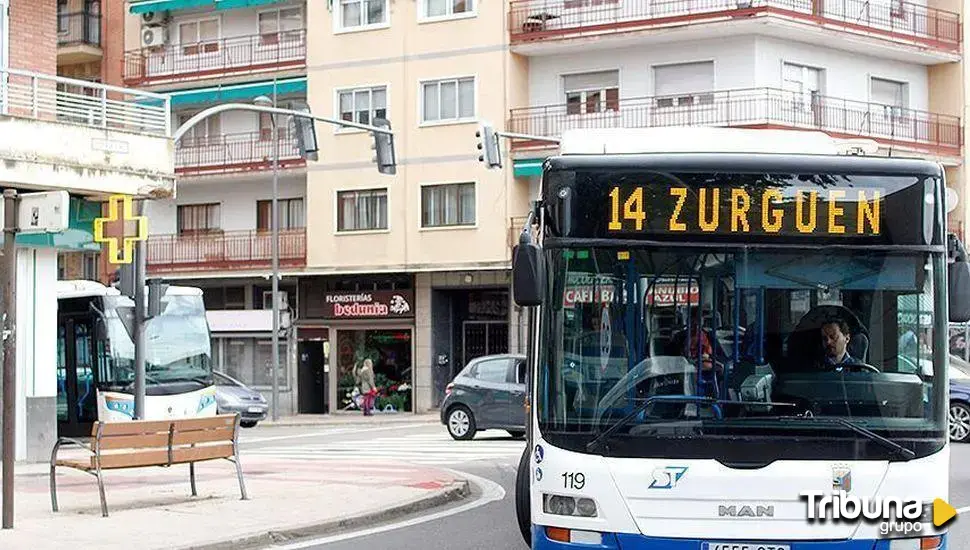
<point x="568" y="506"/>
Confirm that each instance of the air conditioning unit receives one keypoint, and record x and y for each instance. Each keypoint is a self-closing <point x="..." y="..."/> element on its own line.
<point x="268" y="300"/>
<point x="154" y="17"/>
<point x="153" y="36"/>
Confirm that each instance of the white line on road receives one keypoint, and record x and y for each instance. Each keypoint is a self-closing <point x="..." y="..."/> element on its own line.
<point x="964" y="509"/>
<point x="491" y="492"/>
<point x="356" y="429"/>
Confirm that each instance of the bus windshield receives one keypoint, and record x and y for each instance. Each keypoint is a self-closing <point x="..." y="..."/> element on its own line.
<point x="785" y="338"/>
<point x="178" y="354"/>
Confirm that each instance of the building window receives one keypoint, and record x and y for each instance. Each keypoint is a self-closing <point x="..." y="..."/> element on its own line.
<point x="207" y="132"/>
<point x="889" y="97"/>
<point x="592" y="92"/>
<point x="282" y="25"/>
<point x="89" y="265"/>
<point x="199" y="218"/>
<point x="290" y="214"/>
<point x="448" y="100"/>
<point x="362" y="210"/>
<point x="805" y="84"/>
<point x="362" y="13"/>
<point x="250" y="360"/>
<point x="266" y="122"/>
<point x="684" y="84"/>
<point x="448" y="204"/>
<point x="445" y="8"/>
<point x="362" y="105"/>
<point x="197" y="37"/>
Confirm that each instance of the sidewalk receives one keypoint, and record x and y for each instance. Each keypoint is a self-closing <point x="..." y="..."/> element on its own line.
<point x="153" y="508"/>
<point x="343" y="418"/>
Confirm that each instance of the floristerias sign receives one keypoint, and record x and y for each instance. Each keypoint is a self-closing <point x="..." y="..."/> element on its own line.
<point x="376" y="304"/>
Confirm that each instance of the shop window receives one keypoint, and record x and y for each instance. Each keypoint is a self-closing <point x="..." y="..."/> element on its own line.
<point x="250" y="361"/>
<point x="390" y="352"/>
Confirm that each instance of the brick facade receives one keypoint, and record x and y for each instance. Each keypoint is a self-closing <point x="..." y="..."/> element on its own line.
<point x="33" y="35"/>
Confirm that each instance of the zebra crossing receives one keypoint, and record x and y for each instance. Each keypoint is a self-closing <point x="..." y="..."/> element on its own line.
<point x="423" y="448"/>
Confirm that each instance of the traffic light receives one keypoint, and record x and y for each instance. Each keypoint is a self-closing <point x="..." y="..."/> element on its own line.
<point x="488" y="144"/>
<point x="156" y="291"/>
<point x="306" y="132"/>
<point x="383" y="146"/>
<point x="124" y="280"/>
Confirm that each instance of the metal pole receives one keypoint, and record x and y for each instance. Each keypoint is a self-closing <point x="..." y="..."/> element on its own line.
<point x="140" y="298"/>
<point x="9" y="351"/>
<point x="274" y="217"/>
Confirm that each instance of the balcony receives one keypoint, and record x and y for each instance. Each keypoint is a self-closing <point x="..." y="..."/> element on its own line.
<point x="241" y="55"/>
<point x="927" y="32"/>
<point x="232" y="153"/>
<point x="78" y="38"/>
<point x="224" y="250"/>
<point x="918" y="131"/>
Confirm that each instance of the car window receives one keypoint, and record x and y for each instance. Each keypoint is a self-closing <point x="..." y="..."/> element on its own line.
<point x="520" y="371"/>
<point x="492" y="370"/>
<point x="222" y="380"/>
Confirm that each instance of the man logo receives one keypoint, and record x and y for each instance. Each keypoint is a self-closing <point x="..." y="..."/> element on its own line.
<point x="746" y="511"/>
<point x="667" y="477"/>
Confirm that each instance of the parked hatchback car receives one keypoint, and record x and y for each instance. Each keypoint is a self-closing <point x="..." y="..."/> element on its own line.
<point x="232" y="396"/>
<point x="489" y="393"/>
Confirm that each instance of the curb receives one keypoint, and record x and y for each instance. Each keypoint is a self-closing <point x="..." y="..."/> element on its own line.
<point x="459" y="490"/>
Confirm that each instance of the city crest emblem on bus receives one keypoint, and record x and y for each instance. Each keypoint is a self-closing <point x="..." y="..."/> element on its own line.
<point x="841" y="478"/>
<point x="667" y="477"/>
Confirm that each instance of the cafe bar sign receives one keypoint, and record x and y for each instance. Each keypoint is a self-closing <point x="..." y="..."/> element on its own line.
<point x="369" y="304"/>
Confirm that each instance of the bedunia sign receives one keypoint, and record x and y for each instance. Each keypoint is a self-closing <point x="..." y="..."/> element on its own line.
<point x="369" y="304"/>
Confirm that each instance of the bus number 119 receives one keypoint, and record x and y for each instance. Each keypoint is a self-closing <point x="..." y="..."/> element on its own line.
<point x="573" y="480"/>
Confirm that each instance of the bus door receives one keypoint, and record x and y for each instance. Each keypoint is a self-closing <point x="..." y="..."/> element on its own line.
<point x="77" y="375"/>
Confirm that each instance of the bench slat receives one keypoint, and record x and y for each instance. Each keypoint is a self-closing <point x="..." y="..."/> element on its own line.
<point x="205" y="423"/>
<point x="133" y="427"/>
<point x="140" y="441"/>
<point x="223" y="434"/>
<point x="157" y="458"/>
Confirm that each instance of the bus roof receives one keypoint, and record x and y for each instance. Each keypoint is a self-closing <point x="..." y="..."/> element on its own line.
<point x="82" y="288"/>
<point x="700" y="139"/>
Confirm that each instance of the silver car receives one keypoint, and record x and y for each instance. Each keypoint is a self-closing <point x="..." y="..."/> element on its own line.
<point x="488" y="393"/>
<point x="232" y="396"/>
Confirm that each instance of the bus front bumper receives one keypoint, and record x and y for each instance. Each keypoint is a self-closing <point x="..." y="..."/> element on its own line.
<point x="626" y="541"/>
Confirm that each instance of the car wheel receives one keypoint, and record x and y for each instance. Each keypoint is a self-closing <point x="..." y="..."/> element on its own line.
<point x="248" y="423"/>
<point x="959" y="422"/>
<point x="518" y="434"/>
<point x="461" y="423"/>
<point x="523" y="511"/>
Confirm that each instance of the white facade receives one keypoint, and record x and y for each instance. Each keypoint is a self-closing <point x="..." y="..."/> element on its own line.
<point x="736" y="63"/>
<point x="236" y="198"/>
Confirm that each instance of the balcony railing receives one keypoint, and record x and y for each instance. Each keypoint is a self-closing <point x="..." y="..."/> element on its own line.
<point x="226" y="56"/>
<point x="78" y="29"/>
<point x="32" y="95"/>
<point x="754" y="108"/>
<point x="224" y="250"/>
<point x="515" y="229"/>
<point x="531" y="20"/>
<point x="235" y="153"/>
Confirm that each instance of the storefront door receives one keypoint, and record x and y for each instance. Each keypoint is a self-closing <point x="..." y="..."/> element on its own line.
<point x="484" y="338"/>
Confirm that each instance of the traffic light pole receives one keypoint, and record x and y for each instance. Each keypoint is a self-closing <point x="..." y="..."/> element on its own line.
<point x="9" y="335"/>
<point x="204" y="114"/>
<point x="140" y="320"/>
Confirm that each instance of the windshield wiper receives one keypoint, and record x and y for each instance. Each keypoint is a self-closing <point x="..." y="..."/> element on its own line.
<point x="888" y="443"/>
<point x="715" y="404"/>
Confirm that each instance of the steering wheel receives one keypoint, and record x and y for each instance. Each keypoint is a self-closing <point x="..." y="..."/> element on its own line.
<point x="861" y="367"/>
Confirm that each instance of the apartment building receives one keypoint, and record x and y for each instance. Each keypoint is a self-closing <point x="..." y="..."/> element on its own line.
<point x="80" y="137"/>
<point x="889" y="70"/>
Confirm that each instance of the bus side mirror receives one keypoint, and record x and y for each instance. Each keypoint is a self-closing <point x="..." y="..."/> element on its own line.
<point x="528" y="274"/>
<point x="958" y="283"/>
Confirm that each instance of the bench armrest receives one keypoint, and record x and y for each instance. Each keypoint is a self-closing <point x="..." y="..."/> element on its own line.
<point x="70" y="440"/>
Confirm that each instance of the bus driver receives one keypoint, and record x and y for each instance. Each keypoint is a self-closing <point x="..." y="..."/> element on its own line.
<point x="835" y="340"/>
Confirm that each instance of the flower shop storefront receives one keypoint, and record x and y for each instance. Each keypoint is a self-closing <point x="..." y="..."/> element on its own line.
<point x="376" y="325"/>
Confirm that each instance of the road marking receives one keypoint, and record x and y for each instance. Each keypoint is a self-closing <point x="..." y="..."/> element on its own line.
<point x="964" y="509"/>
<point x="491" y="492"/>
<point x="352" y="429"/>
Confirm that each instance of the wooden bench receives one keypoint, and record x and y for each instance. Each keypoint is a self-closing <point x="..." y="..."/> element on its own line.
<point x="145" y="443"/>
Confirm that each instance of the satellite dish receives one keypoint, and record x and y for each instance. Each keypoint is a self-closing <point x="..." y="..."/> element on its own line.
<point x="952" y="198"/>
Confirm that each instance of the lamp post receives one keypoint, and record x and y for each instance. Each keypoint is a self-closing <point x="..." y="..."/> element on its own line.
<point x="275" y="230"/>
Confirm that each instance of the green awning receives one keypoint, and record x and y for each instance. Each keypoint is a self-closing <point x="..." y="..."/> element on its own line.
<point x="144" y="6"/>
<point x="527" y="167"/>
<point x="235" y="92"/>
<point x="79" y="235"/>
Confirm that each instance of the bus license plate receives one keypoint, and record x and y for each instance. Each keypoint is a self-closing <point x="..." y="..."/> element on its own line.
<point x="745" y="546"/>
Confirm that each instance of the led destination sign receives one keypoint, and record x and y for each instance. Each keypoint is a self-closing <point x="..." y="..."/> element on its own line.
<point x="736" y="210"/>
<point x="738" y="207"/>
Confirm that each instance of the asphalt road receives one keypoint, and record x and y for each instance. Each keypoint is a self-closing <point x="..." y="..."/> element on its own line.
<point x="492" y="525"/>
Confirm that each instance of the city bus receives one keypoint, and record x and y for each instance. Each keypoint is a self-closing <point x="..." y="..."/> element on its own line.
<point x="756" y="281"/>
<point x="96" y="357"/>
